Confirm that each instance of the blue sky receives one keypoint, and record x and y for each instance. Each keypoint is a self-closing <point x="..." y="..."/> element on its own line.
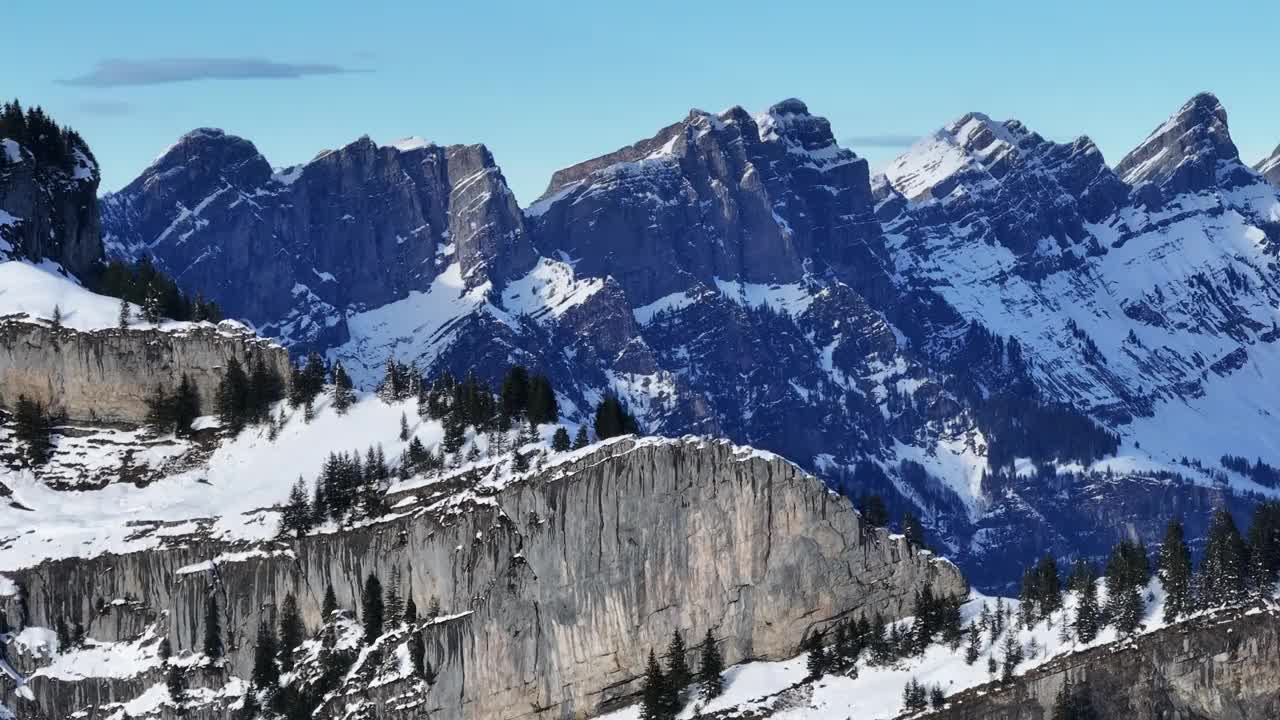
<point x="549" y="84"/>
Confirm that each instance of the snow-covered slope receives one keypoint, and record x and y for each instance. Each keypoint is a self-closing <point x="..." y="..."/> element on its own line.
<point x="741" y="274"/>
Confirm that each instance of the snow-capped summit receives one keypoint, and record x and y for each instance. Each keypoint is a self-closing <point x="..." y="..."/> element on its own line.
<point x="1186" y="153"/>
<point x="1270" y="166"/>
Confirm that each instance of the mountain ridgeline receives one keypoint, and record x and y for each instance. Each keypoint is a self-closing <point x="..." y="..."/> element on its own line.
<point x="743" y="275"/>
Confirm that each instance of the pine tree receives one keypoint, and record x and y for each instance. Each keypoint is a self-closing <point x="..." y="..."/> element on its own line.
<point x="1012" y="652"/>
<point x="678" y="674"/>
<point x="56" y="320"/>
<point x="542" y="407"/>
<point x="654" y="694"/>
<point x="185" y="406"/>
<point x="515" y="392"/>
<point x="417" y="654"/>
<point x="394" y="605"/>
<point x="297" y="515"/>
<point x="912" y="530"/>
<point x="1224" y="568"/>
<point x="1264" y="548"/>
<point x="973" y="646"/>
<point x="560" y="441"/>
<point x="213" y="646"/>
<point x="343" y="395"/>
<point x="1174" y="568"/>
<point x="410" y="610"/>
<point x="404" y="427"/>
<point x="63" y="635"/>
<point x="1073" y="703"/>
<point x="330" y="603"/>
<point x="372" y="609"/>
<point x="818" y="662"/>
<point x="33" y="427"/>
<point x="433" y="608"/>
<point x="122" y="320"/>
<point x="265" y="672"/>
<point x="1088" y="614"/>
<point x="580" y="439"/>
<point x="710" y="669"/>
<point x="612" y="419"/>
<point x="176" y="685"/>
<point x="233" y="396"/>
<point x="292" y="631"/>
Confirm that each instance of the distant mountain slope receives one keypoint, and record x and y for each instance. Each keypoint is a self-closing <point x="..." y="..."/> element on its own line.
<point x="1027" y="348"/>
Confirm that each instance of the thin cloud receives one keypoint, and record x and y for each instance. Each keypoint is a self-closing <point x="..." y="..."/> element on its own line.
<point x="886" y="141"/>
<point x="158" y="71"/>
<point x="105" y="107"/>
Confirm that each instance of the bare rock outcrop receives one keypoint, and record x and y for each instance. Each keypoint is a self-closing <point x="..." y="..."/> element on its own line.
<point x="553" y="588"/>
<point x="106" y="375"/>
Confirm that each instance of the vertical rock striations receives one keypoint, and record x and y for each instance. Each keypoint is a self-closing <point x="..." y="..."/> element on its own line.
<point x="555" y="587"/>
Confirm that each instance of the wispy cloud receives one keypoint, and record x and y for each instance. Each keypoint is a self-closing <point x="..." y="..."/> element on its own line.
<point x="887" y="141"/>
<point x="105" y="107"/>
<point x="116" y="72"/>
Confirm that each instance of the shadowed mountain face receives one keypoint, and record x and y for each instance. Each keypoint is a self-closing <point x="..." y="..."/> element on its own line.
<point x="1030" y="349"/>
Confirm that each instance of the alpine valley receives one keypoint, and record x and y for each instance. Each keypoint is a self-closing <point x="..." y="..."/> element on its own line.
<point x="722" y="425"/>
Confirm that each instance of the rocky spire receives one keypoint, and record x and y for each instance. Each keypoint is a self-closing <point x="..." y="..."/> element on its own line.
<point x="1270" y="167"/>
<point x="1184" y="153"/>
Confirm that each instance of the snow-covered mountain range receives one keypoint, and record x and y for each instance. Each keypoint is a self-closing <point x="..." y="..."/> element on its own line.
<point x="1000" y="332"/>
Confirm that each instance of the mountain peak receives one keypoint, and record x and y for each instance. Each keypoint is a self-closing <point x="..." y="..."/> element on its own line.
<point x="1270" y="167"/>
<point x="972" y="142"/>
<point x="790" y="106"/>
<point x="1183" y="153"/>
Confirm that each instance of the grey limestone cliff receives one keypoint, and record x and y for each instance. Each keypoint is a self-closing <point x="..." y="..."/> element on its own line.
<point x="555" y="586"/>
<point x="107" y="375"/>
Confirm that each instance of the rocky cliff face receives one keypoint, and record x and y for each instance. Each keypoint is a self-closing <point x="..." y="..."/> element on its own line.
<point x="49" y="211"/>
<point x="105" y="376"/>
<point x="1224" y="667"/>
<point x="294" y="250"/>
<point x="741" y="274"/>
<point x="553" y="588"/>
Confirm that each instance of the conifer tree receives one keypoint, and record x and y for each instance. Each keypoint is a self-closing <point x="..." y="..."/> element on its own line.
<point x="330" y="603"/>
<point x="678" y="674"/>
<point x="296" y="518"/>
<point x="233" y="396"/>
<point x="1012" y="652"/>
<point x="711" y="667"/>
<point x="542" y="407"/>
<point x="186" y="406"/>
<point x="1073" y="703"/>
<point x="417" y="654"/>
<point x="33" y="427"/>
<point x="404" y="427"/>
<point x="1088" y="614"/>
<point x="292" y="631"/>
<point x="410" y="610"/>
<point x="343" y="395"/>
<point x="818" y="662"/>
<point x="973" y="648"/>
<point x="177" y="686"/>
<point x="372" y="609"/>
<point x="265" y="672"/>
<point x="912" y="530"/>
<point x="654" y="694"/>
<point x="122" y="319"/>
<point x="433" y="608"/>
<point x="612" y="419"/>
<point x="560" y="441"/>
<point x="394" y="606"/>
<point x="1224" y="569"/>
<point x="515" y="392"/>
<point x="1264" y="548"/>
<point x="212" y="646"/>
<point x="1174" y="568"/>
<point x="63" y="635"/>
<point x="580" y="439"/>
